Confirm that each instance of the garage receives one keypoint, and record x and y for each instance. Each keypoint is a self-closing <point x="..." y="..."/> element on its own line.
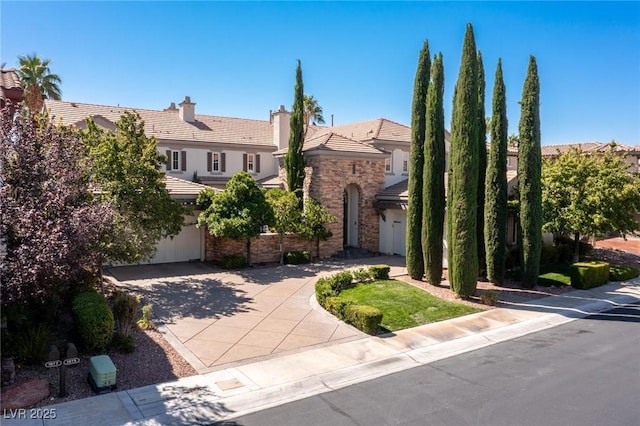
<point x="185" y="247"/>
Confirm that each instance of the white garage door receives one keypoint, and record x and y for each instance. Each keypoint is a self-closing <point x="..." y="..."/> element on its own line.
<point x="185" y="246"/>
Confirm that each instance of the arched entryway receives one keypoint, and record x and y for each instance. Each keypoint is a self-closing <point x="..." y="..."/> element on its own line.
<point x="351" y="199"/>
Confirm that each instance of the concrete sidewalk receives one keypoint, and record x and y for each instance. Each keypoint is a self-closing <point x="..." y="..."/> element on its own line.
<point x="256" y="385"/>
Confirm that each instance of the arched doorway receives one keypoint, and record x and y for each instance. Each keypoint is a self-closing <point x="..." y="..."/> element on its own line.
<point x="351" y="200"/>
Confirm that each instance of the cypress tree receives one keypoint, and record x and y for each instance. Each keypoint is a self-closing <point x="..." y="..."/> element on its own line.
<point x="415" y="261"/>
<point x="294" y="161"/>
<point x="495" y="205"/>
<point x="462" y="198"/>
<point x="529" y="177"/>
<point x="434" y="168"/>
<point x="482" y="166"/>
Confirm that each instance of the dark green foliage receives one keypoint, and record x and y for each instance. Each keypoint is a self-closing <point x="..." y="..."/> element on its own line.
<point x="337" y="306"/>
<point x="529" y="176"/>
<point x="323" y="291"/>
<point x="433" y="192"/>
<point x="565" y="248"/>
<point x="585" y="275"/>
<point x="340" y="281"/>
<point x="623" y="272"/>
<point x="314" y="223"/>
<point x="125" y="312"/>
<point x="482" y="166"/>
<point x="415" y="260"/>
<point x="297" y="257"/>
<point x="463" y="175"/>
<point x="240" y="211"/>
<point x="124" y="343"/>
<point x="294" y="160"/>
<point x="364" y="318"/>
<point x="380" y="272"/>
<point x="234" y="262"/>
<point x="31" y="345"/>
<point x="361" y="275"/>
<point x="495" y="207"/>
<point x="94" y="321"/>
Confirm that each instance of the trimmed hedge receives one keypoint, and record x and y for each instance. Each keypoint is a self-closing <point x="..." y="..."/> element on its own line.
<point x="341" y="280"/>
<point x="323" y="291"/>
<point x="585" y="275"/>
<point x="380" y="272"/>
<point x="337" y="306"/>
<point x="234" y="262"/>
<point x="297" y="257"/>
<point x="623" y="272"/>
<point x="363" y="317"/>
<point x="94" y="321"/>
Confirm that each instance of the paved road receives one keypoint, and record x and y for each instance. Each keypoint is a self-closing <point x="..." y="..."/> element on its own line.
<point x="586" y="372"/>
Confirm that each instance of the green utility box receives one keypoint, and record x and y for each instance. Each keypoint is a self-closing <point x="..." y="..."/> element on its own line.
<point x="102" y="374"/>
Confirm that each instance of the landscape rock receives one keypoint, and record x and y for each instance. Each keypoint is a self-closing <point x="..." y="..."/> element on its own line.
<point x="24" y="394"/>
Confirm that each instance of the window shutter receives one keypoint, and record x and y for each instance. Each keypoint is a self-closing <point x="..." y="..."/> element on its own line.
<point x="209" y="160"/>
<point x="183" y="161"/>
<point x="257" y="163"/>
<point x="223" y="161"/>
<point x="168" y="159"/>
<point x="244" y="162"/>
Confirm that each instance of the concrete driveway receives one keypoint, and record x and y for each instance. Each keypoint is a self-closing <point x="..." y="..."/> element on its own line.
<point x="217" y="318"/>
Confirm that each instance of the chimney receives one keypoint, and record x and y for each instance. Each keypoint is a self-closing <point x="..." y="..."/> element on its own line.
<point x="172" y="107"/>
<point x="187" y="110"/>
<point x="281" y="124"/>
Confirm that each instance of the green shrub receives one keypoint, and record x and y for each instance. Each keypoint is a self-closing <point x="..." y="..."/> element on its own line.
<point x="548" y="255"/>
<point x="145" y="322"/>
<point x="362" y="275"/>
<point x="340" y="281"/>
<point x="297" y="257"/>
<point x="234" y="262"/>
<point x="489" y="297"/>
<point x="380" y="272"/>
<point x="363" y="317"/>
<point x="125" y="312"/>
<point x="565" y="247"/>
<point x="337" y="306"/>
<point x="323" y="290"/>
<point x="623" y="272"/>
<point x="586" y="275"/>
<point x="94" y="321"/>
<point x="124" y="343"/>
<point x="31" y="345"/>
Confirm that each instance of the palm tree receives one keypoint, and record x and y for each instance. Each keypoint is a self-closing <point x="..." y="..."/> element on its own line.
<point x="37" y="80"/>
<point x="312" y="111"/>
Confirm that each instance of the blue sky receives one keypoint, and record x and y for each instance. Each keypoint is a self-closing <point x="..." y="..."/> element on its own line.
<point x="358" y="58"/>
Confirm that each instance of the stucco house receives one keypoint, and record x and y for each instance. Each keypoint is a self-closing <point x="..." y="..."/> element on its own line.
<point x="350" y="168"/>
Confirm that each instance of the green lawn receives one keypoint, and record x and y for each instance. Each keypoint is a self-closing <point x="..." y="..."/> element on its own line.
<point x="403" y="305"/>
<point x="554" y="275"/>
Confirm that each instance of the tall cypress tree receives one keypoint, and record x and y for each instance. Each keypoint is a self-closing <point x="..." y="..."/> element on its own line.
<point x="294" y="161"/>
<point x="482" y="165"/>
<point x="529" y="176"/>
<point x="433" y="184"/>
<point x="463" y="175"/>
<point x="495" y="205"/>
<point x="415" y="261"/>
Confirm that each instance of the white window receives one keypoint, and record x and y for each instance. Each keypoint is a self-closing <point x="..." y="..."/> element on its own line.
<point x="175" y="160"/>
<point x="215" y="162"/>
<point x="387" y="165"/>
<point x="250" y="162"/>
<point x="405" y="163"/>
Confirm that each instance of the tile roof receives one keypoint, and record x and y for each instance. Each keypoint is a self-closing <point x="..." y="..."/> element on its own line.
<point x="549" y="150"/>
<point x="168" y="125"/>
<point x="378" y="129"/>
<point x="179" y="188"/>
<point x="10" y="85"/>
<point x="335" y="142"/>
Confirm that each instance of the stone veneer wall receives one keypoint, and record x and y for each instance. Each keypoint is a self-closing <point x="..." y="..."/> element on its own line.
<point x="327" y="177"/>
<point x="264" y="249"/>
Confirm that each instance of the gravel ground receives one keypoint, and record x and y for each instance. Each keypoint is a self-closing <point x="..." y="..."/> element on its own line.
<point x="155" y="360"/>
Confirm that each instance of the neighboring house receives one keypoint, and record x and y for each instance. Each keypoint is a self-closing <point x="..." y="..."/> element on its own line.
<point x="10" y="88"/>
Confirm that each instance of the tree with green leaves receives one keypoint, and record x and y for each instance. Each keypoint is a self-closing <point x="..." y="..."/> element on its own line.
<point x="294" y="161"/>
<point x="482" y="165"/>
<point x="126" y="172"/>
<point x="415" y="260"/>
<point x="462" y="196"/>
<point x="529" y="175"/>
<point x="589" y="194"/>
<point x="312" y="111"/>
<point x="38" y="82"/>
<point x="238" y="212"/>
<point x="433" y="193"/>
<point x="495" y="204"/>
<point x="286" y="214"/>
<point x="314" y="223"/>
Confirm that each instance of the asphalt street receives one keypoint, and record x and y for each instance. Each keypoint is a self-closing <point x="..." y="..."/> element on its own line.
<point x="586" y="372"/>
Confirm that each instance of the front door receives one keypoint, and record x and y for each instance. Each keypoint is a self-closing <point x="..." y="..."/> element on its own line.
<point x="399" y="237"/>
<point x="350" y="218"/>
